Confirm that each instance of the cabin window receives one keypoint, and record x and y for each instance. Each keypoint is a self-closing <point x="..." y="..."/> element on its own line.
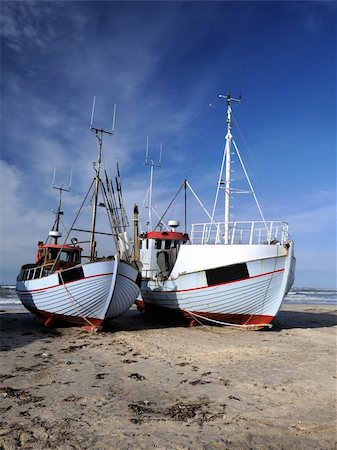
<point x="140" y="244"/>
<point x="147" y="244"/>
<point x="64" y="256"/>
<point x="168" y="244"/>
<point x="73" y="257"/>
<point x="53" y="253"/>
<point x="157" y="244"/>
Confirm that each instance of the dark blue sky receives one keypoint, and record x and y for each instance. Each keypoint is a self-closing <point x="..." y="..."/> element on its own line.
<point x="163" y="63"/>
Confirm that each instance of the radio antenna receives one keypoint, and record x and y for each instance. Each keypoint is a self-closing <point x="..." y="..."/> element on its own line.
<point x="152" y="164"/>
<point x="92" y="128"/>
<point x="55" y="233"/>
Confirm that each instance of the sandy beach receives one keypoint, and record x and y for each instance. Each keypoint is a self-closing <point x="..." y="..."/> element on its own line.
<point x="145" y="384"/>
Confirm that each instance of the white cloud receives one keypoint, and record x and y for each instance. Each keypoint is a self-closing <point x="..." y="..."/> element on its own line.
<point x="22" y="225"/>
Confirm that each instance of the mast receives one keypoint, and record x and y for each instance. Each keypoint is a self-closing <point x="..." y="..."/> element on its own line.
<point x="152" y="166"/>
<point x="228" y="168"/>
<point x="97" y="166"/>
<point x="136" y="248"/>
<point x="226" y="160"/>
<point x="55" y="232"/>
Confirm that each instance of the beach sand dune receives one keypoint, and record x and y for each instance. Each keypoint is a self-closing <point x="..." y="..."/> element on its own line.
<point x="145" y="384"/>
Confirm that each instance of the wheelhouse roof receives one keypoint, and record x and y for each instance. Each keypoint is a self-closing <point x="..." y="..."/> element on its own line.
<point x="68" y="248"/>
<point x="165" y="235"/>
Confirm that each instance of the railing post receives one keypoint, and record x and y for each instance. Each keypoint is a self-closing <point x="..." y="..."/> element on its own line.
<point x="217" y="234"/>
<point x="251" y="233"/>
<point x="233" y="233"/>
<point x="203" y="234"/>
<point x="270" y="232"/>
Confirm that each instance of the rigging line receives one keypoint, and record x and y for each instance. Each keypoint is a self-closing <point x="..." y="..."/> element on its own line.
<point x="218" y="185"/>
<point x="70" y="229"/>
<point x="144" y="201"/>
<point x="111" y="216"/>
<point x="203" y="150"/>
<point x="265" y="187"/>
<point x="250" y="184"/>
<point x="169" y="206"/>
<point x="110" y="195"/>
<point x="188" y="124"/>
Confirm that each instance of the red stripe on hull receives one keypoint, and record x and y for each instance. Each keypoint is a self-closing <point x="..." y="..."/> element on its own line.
<point x="92" y="322"/>
<point x="62" y="284"/>
<point x="69" y="282"/>
<point x="235" y="319"/>
<point x="225" y="282"/>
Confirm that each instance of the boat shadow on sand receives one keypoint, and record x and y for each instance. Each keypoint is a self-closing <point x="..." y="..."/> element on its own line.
<point x="309" y="318"/>
<point x="285" y="320"/>
<point x="18" y="329"/>
<point x="21" y="329"/>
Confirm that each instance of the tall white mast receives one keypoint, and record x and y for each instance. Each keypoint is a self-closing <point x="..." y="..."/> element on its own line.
<point x="226" y="159"/>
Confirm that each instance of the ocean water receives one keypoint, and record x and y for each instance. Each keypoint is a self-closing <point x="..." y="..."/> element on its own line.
<point x="307" y="296"/>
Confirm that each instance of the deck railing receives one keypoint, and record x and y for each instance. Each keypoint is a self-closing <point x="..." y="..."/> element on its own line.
<point x="240" y="233"/>
<point x="32" y="273"/>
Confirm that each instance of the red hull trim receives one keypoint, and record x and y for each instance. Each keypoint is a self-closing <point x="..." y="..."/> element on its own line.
<point x="236" y="319"/>
<point x="85" y="278"/>
<point x="90" y="322"/>
<point x="57" y="285"/>
<point x="226" y="282"/>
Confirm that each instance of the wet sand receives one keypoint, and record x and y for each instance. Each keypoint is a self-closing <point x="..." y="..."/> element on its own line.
<point x="145" y="384"/>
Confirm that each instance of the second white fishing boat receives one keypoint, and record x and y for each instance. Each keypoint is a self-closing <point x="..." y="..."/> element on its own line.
<point x="230" y="273"/>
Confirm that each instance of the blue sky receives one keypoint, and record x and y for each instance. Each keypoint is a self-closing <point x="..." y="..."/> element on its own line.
<point x="164" y="64"/>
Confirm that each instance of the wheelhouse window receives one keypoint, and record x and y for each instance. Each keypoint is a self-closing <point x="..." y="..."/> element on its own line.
<point x="168" y="244"/>
<point x="157" y="244"/>
<point x="64" y="256"/>
<point x="53" y="253"/>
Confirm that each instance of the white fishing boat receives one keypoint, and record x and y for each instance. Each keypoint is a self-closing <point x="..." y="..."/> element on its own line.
<point x="230" y="273"/>
<point x="64" y="284"/>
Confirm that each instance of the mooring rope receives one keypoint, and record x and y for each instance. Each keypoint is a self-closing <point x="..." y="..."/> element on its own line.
<point x="229" y="324"/>
<point x="73" y="301"/>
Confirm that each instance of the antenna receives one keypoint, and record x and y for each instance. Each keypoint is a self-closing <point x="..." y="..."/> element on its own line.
<point x="92" y="128"/>
<point x="113" y="119"/>
<point x="55" y="233"/>
<point x="92" y="112"/>
<point x="61" y="187"/>
<point x="152" y="164"/>
<point x="230" y="99"/>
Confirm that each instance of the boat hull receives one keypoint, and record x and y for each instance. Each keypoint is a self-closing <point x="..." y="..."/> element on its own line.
<point x="230" y="290"/>
<point x="87" y="294"/>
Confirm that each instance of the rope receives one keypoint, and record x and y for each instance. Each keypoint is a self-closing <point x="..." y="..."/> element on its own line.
<point x="228" y="323"/>
<point x="73" y="301"/>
